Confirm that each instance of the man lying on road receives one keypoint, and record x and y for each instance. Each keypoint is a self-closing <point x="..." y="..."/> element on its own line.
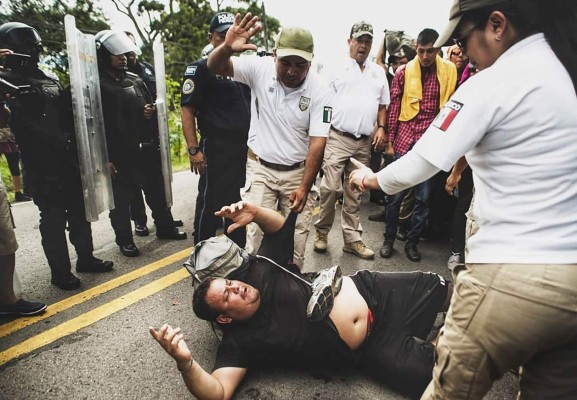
<point x="379" y="321"/>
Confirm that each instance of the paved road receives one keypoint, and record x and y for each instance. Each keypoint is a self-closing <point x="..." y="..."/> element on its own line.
<point x="93" y="343"/>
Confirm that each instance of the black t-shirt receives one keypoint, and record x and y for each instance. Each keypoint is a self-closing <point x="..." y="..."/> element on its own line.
<point x="279" y="332"/>
<point x="222" y="105"/>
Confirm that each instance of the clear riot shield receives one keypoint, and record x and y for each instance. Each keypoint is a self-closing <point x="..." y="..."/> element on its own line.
<point x="161" y="110"/>
<point x="88" y="121"/>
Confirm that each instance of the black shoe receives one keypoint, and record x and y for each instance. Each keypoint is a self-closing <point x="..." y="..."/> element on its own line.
<point x="141" y="230"/>
<point x="173" y="234"/>
<point x="66" y="281"/>
<point x="379" y="217"/>
<point x="93" y="264"/>
<point x="19" y="196"/>
<point x="178" y="223"/>
<point x="412" y="252"/>
<point x="387" y="249"/>
<point x="22" y="308"/>
<point x="129" y="250"/>
<point x="402" y="235"/>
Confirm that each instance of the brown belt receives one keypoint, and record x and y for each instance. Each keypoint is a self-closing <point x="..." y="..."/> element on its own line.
<point x="349" y="135"/>
<point x="276" y="167"/>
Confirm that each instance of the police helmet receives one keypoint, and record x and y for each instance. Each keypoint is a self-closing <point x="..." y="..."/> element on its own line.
<point x="20" y="38"/>
<point x="116" y="42"/>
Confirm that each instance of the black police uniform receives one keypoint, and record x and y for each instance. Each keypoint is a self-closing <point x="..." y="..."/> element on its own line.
<point x="133" y="148"/>
<point x="42" y="124"/>
<point x="145" y="71"/>
<point x="223" y="119"/>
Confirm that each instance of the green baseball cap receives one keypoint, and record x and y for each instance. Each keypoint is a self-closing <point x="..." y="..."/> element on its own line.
<point x="458" y="9"/>
<point x="294" y="41"/>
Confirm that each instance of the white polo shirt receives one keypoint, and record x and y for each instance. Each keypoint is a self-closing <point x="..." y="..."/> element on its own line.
<point x="517" y="124"/>
<point x="281" y="123"/>
<point x="358" y="95"/>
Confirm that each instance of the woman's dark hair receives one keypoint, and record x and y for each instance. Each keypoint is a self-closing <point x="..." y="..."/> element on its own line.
<point x="557" y="19"/>
<point x="199" y="305"/>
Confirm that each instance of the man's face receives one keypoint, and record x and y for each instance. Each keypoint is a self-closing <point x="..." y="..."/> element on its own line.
<point x="427" y="54"/>
<point x="292" y="70"/>
<point x="397" y="62"/>
<point x="119" y="62"/>
<point x="131" y="58"/>
<point x="216" y="38"/>
<point x="360" y="48"/>
<point x="235" y="300"/>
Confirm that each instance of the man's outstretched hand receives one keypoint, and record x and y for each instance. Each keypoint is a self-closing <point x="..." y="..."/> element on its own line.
<point x="241" y="213"/>
<point x="239" y="34"/>
<point x="171" y="340"/>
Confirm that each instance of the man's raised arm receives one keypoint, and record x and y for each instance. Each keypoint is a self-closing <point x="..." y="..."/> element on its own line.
<point x="236" y="41"/>
<point x="243" y="213"/>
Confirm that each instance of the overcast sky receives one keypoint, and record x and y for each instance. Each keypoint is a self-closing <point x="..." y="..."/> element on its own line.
<point x="330" y="21"/>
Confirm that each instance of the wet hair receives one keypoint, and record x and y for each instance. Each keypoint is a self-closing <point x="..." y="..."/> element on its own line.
<point x="556" y="19"/>
<point x="199" y="304"/>
<point x="427" y="36"/>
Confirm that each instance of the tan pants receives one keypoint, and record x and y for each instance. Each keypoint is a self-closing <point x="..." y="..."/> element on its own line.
<point x="8" y="244"/>
<point x="272" y="189"/>
<point x="504" y="316"/>
<point x="338" y="151"/>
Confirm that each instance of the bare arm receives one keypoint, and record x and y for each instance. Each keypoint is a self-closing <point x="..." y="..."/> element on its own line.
<point x="236" y="41"/>
<point x="379" y="137"/>
<point x="455" y="177"/>
<point x="243" y="213"/>
<point x="313" y="164"/>
<point x="381" y="55"/>
<point x="197" y="161"/>
<point x="220" y="385"/>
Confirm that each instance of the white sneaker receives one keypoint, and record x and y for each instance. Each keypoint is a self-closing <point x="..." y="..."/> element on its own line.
<point x="325" y="288"/>
<point x="454" y="261"/>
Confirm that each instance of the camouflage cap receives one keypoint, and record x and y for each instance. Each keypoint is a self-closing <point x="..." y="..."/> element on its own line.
<point x="361" y="28"/>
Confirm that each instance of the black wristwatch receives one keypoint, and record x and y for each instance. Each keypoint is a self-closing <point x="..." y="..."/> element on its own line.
<point x="192" y="150"/>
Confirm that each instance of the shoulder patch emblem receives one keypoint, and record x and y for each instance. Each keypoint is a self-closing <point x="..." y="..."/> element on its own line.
<point x="447" y="115"/>
<point x="304" y="103"/>
<point x="190" y="70"/>
<point x="188" y="86"/>
<point x="327" y="114"/>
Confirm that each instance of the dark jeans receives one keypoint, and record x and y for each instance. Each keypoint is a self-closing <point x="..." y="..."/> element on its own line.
<point x="420" y="212"/>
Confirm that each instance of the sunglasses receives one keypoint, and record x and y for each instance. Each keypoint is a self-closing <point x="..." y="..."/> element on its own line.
<point x="461" y="41"/>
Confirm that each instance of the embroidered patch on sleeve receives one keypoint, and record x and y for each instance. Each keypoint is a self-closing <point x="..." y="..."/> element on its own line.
<point x="190" y="70"/>
<point x="188" y="86"/>
<point x="327" y="114"/>
<point x="447" y="115"/>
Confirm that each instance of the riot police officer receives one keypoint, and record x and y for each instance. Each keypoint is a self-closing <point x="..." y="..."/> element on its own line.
<point x="43" y="129"/>
<point x="220" y="108"/>
<point x="132" y="141"/>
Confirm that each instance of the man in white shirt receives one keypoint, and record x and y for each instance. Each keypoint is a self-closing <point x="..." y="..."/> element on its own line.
<point x="290" y="118"/>
<point x="361" y="96"/>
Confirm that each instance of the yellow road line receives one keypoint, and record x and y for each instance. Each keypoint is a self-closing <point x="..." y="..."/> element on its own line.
<point x="90" y="317"/>
<point x="91" y="293"/>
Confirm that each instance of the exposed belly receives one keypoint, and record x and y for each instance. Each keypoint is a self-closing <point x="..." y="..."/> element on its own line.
<point x="350" y="314"/>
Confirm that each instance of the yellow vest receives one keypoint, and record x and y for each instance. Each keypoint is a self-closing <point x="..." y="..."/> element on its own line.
<point x="413" y="92"/>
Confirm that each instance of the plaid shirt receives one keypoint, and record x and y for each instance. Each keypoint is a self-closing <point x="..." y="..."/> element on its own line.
<point x="405" y="134"/>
